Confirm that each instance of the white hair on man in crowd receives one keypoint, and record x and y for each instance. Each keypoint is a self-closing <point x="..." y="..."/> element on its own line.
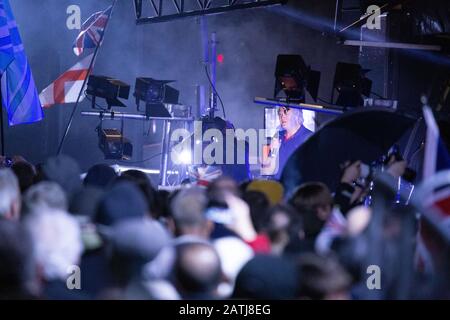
<point x="44" y="195"/>
<point x="9" y="195"/>
<point x="57" y="242"/>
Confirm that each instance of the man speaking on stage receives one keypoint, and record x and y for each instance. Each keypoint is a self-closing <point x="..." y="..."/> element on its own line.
<point x="292" y="134"/>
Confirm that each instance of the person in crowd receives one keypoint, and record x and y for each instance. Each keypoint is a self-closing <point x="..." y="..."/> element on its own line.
<point x="100" y="175"/>
<point x="123" y="201"/>
<point x="259" y="205"/>
<point x="322" y="278"/>
<point x="267" y="277"/>
<point x="10" y="198"/>
<point x="291" y="136"/>
<point x="143" y="182"/>
<point x="85" y="202"/>
<point x="313" y="202"/>
<point x="197" y="271"/>
<point x="18" y="270"/>
<point x="57" y="243"/>
<point x="63" y="170"/>
<point x="25" y="173"/>
<point x="42" y="196"/>
<point x="132" y="244"/>
<point x="188" y="214"/>
<point x="283" y="226"/>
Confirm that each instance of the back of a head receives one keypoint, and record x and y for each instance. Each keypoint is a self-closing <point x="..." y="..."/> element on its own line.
<point x="137" y="176"/>
<point x="17" y="268"/>
<point x="65" y="171"/>
<point x="307" y="200"/>
<point x="309" y="196"/>
<point x="142" y="181"/>
<point x="85" y="201"/>
<point x="43" y="196"/>
<point x="9" y="192"/>
<point x="123" y="201"/>
<point x="57" y="242"/>
<point x="197" y="269"/>
<point x="100" y="176"/>
<point x="322" y="278"/>
<point x="283" y="224"/>
<point x="267" y="277"/>
<point x="25" y="173"/>
<point x="140" y="239"/>
<point x="223" y="184"/>
<point x="188" y="207"/>
<point x="135" y="242"/>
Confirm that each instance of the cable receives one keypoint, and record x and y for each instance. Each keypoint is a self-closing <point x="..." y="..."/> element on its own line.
<point x="215" y="91"/>
<point x="141" y="161"/>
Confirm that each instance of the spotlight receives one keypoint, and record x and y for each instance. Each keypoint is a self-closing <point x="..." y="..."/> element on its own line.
<point x="114" y="145"/>
<point x="294" y="78"/>
<point x="351" y="84"/>
<point x="155" y="93"/>
<point x="183" y="157"/>
<point x="108" y="88"/>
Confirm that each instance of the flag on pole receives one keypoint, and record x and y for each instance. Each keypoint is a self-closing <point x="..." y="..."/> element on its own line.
<point x="18" y="90"/>
<point x="67" y="87"/>
<point x="436" y="159"/>
<point x="92" y="31"/>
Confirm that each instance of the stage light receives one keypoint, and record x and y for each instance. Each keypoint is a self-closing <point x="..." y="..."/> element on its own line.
<point x="294" y="78"/>
<point x="108" y="88"/>
<point x="351" y="84"/>
<point x="114" y="145"/>
<point x="220" y="58"/>
<point x="182" y="154"/>
<point x="155" y="93"/>
<point x="186" y="157"/>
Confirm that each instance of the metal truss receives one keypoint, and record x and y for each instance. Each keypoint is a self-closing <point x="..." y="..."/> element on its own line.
<point x="168" y="10"/>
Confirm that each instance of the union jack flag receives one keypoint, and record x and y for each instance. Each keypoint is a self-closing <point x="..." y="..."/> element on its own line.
<point x="92" y="31"/>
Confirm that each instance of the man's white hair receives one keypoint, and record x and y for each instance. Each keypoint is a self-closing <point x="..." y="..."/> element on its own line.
<point x="43" y="196"/>
<point x="57" y="242"/>
<point x="297" y="114"/>
<point x="9" y="190"/>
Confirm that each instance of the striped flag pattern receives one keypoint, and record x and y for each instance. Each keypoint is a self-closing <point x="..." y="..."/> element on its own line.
<point x="67" y="87"/>
<point x="19" y="94"/>
<point x="92" y="31"/>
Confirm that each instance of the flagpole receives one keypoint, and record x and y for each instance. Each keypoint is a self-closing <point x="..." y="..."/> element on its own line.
<point x="61" y="144"/>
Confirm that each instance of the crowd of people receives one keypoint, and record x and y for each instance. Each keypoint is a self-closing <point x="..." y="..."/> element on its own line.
<point x="109" y="235"/>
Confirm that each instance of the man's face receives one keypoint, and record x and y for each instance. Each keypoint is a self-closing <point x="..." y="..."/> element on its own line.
<point x="287" y="118"/>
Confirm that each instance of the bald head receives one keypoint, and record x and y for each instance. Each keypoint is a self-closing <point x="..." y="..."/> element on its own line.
<point x="197" y="268"/>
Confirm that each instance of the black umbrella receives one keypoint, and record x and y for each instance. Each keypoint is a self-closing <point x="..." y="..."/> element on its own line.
<point x="364" y="135"/>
